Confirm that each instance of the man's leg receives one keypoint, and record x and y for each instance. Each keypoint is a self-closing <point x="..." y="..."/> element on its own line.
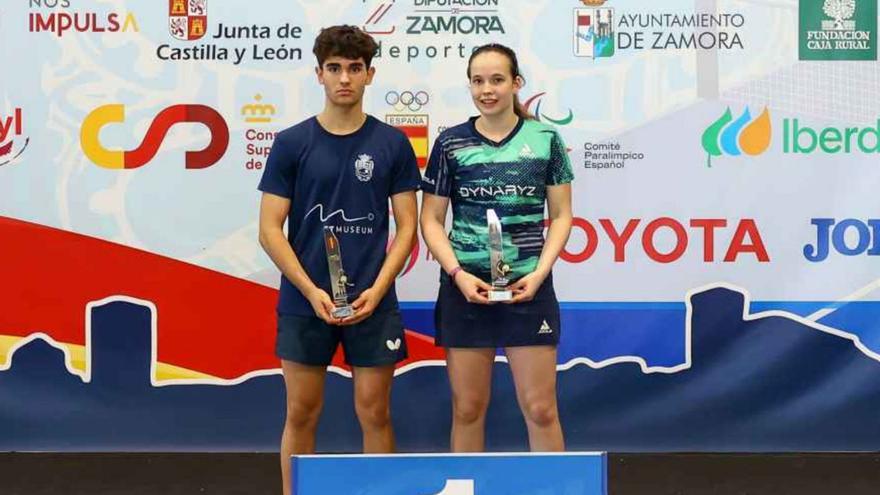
<point x="372" y="404"/>
<point x="372" y="347"/>
<point x="470" y="376"/>
<point x="305" y="397"/>
<point x="534" y="375"/>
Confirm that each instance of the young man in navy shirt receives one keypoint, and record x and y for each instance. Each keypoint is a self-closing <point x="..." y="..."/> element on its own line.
<point x="338" y="170"/>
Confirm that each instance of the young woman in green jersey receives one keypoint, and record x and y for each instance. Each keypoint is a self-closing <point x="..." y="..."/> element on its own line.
<point x="506" y="161"/>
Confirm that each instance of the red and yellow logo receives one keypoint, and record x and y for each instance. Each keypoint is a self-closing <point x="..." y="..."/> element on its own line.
<point x="115" y="113"/>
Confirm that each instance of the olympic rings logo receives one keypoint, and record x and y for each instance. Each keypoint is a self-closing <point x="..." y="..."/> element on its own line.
<point x="407" y="99"/>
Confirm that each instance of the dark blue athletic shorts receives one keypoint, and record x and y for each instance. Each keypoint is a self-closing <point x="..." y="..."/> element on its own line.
<point x="377" y="341"/>
<point x="463" y="324"/>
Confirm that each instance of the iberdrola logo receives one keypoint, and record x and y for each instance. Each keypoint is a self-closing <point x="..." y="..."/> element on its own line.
<point x="734" y="137"/>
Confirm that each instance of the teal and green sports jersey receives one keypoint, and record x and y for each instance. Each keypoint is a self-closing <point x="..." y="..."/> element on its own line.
<point x="510" y="177"/>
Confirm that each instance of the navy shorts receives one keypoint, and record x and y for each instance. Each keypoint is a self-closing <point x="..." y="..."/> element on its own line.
<point x="377" y="341"/>
<point x="463" y="324"/>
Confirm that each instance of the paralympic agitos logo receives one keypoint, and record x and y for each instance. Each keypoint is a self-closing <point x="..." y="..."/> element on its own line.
<point x="115" y="113"/>
<point x="540" y="116"/>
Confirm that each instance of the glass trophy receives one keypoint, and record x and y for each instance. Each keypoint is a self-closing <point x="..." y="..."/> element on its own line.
<point x="338" y="279"/>
<point x="500" y="269"/>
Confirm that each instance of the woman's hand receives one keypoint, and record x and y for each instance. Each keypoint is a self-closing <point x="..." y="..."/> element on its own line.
<point x="473" y="289"/>
<point x="525" y="288"/>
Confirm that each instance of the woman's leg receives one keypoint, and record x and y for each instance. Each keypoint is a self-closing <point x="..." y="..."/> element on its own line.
<point x="534" y="375"/>
<point x="470" y="376"/>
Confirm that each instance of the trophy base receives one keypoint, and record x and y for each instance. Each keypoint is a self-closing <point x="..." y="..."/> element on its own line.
<point x="500" y="295"/>
<point x="342" y="312"/>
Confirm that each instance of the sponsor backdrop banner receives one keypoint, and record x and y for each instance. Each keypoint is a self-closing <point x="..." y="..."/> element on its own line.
<point x="719" y="290"/>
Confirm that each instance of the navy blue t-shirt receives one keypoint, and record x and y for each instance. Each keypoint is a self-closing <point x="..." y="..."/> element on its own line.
<point x="344" y="182"/>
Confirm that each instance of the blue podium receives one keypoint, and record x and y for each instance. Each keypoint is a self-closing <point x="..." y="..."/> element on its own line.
<point x="451" y="474"/>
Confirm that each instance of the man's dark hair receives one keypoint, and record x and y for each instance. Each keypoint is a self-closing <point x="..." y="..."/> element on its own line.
<point x="344" y="41"/>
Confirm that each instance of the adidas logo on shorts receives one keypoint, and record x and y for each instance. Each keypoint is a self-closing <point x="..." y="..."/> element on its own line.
<point x="545" y="328"/>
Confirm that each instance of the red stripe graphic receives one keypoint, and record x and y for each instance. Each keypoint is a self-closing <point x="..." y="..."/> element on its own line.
<point x="207" y="321"/>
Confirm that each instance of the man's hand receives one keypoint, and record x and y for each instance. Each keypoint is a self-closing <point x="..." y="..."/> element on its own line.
<point x="323" y="305"/>
<point x="364" y="306"/>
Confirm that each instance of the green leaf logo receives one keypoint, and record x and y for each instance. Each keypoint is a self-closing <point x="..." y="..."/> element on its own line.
<point x="710" y="136"/>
